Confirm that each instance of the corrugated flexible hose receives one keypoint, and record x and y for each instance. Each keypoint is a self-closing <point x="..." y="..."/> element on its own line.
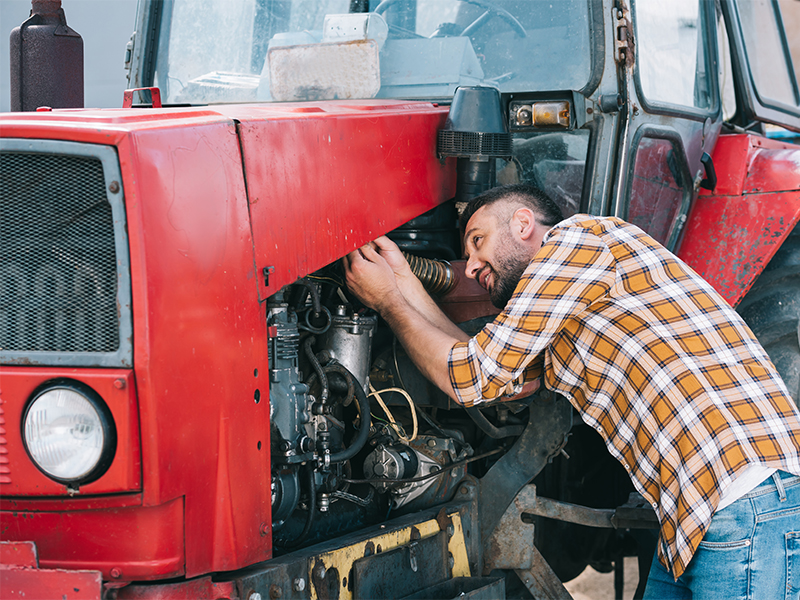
<point x="437" y="276"/>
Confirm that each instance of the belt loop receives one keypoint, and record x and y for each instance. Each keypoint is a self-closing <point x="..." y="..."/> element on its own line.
<point x="776" y="477"/>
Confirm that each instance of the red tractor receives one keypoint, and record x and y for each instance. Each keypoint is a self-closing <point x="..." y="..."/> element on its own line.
<point x="193" y="405"/>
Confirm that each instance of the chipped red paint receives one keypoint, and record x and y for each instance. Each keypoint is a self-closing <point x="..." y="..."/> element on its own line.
<point x="21" y="577"/>
<point x="181" y="590"/>
<point x="733" y="232"/>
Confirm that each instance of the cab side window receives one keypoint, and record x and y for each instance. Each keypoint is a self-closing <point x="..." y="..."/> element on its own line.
<point x="672" y="57"/>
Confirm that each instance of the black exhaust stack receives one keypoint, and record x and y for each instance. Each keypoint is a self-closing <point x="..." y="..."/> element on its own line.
<point x="46" y="60"/>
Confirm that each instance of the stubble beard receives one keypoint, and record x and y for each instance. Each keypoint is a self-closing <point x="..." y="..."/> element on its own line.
<point x="511" y="263"/>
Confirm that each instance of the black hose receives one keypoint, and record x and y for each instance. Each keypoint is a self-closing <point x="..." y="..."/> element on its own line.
<point x="354" y="390"/>
<point x="363" y="430"/>
<point x="309" y="285"/>
<point x="312" y="510"/>
<point x="323" y="379"/>
<point x="489" y="428"/>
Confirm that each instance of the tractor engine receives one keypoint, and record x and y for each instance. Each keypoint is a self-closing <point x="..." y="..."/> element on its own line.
<point x="332" y="469"/>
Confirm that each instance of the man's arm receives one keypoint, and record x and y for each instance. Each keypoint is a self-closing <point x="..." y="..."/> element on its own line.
<point x="376" y="275"/>
<point x="413" y="290"/>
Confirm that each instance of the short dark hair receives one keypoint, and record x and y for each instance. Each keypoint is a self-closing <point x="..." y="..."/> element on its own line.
<point x="548" y="212"/>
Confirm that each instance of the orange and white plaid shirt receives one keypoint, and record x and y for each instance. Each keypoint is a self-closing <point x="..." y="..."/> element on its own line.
<point x="652" y="357"/>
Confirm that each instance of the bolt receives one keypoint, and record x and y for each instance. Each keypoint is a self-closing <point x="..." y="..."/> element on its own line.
<point x="450" y="560"/>
<point x="119" y="383"/>
<point x="464" y="490"/>
<point x="275" y="592"/>
<point x="431" y="443"/>
<point x="319" y="571"/>
<point x="450" y="531"/>
<point x="113" y="187"/>
<point x="116" y="573"/>
<point x="264" y="529"/>
<point x="254" y="596"/>
<point x="299" y="584"/>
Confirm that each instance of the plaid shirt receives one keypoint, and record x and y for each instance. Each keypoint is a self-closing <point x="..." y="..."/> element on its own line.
<point x="653" y="358"/>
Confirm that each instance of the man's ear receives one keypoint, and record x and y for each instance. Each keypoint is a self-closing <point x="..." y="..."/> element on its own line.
<point x="523" y="223"/>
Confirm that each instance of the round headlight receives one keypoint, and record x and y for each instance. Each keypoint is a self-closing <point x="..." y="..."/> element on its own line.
<point x="69" y="433"/>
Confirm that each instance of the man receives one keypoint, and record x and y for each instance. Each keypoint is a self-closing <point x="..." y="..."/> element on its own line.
<point x="652" y="357"/>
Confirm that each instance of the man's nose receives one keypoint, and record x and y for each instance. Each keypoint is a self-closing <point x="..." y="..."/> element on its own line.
<point x="472" y="267"/>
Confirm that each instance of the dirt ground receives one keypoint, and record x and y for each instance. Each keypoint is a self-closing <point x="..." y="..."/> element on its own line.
<point x="591" y="585"/>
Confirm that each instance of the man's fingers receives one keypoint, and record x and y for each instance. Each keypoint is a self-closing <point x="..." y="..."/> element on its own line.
<point x="384" y="243"/>
<point x="369" y="253"/>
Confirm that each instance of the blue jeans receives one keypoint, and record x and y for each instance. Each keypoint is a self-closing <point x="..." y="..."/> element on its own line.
<point x="751" y="550"/>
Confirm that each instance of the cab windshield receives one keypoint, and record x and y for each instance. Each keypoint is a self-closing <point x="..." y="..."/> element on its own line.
<point x="271" y="50"/>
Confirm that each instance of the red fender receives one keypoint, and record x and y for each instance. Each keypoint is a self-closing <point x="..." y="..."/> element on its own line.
<point x="733" y="232"/>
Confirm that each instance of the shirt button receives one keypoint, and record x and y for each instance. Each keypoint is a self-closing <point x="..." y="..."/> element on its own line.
<point x="627" y="467"/>
<point x="655" y="506"/>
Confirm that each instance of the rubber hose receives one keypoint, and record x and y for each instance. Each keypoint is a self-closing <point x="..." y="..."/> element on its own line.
<point x="323" y="380"/>
<point x="312" y="510"/>
<point x="490" y="429"/>
<point x="353" y="389"/>
<point x="363" y="430"/>
<point x="312" y="289"/>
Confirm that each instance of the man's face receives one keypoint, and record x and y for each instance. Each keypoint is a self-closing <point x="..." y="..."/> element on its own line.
<point x="494" y="257"/>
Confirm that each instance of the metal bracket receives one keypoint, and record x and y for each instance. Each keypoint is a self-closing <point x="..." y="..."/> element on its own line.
<point x="634" y="514"/>
<point x="511" y="543"/>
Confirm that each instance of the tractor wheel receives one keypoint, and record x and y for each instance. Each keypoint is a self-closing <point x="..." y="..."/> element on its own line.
<point x="772" y="310"/>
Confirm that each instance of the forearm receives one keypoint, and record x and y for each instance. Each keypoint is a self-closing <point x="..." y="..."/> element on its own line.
<point x="416" y="295"/>
<point x="427" y="345"/>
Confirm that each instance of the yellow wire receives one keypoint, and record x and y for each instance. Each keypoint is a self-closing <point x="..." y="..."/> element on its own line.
<point x="377" y="394"/>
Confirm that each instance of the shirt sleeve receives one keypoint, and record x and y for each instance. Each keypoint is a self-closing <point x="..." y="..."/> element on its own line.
<point x="573" y="269"/>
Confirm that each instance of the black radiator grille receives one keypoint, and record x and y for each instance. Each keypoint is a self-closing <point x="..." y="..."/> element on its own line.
<point x="58" y="267"/>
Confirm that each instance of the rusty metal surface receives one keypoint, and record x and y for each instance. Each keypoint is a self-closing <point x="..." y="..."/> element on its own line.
<point x="732" y="233"/>
<point x="410" y="568"/>
<point x="636" y="513"/>
<point x="511" y="543"/>
<point x="464" y="588"/>
<point x="541" y="581"/>
<point x="545" y="435"/>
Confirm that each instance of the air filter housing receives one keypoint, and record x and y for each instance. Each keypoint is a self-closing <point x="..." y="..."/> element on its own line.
<point x="476" y="133"/>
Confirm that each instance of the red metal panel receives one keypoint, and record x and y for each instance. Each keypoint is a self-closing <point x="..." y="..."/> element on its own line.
<point x="732" y="233"/>
<point x="774" y="170"/>
<point x="115" y="386"/>
<point x="200" y="343"/>
<point x="41" y="584"/>
<point x="323" y="181"/>
<point x="124" y="543"/>
<point x="181" y="590"/>
<point x="18" y="554"/>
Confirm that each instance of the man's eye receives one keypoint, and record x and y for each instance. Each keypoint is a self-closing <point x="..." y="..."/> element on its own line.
<point x="475" y="240"/>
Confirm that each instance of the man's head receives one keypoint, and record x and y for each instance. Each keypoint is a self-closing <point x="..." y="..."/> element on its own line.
<point x="503" y="230"/>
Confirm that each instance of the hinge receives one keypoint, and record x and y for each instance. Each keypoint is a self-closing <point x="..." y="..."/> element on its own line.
<point x="622" y="36"/>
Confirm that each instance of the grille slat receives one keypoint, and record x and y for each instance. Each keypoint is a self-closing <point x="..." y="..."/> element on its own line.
<point x="58" y="264"/>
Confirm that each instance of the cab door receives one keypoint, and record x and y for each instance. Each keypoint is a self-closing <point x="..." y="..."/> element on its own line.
<point x="674" y="112"/>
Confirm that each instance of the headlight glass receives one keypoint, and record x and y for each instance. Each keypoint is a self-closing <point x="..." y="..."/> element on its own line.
<point x="69" y="434"/>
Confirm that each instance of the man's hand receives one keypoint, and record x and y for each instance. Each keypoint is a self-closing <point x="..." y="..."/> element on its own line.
<point x="380" y="276"/>
<point x="410" y="286"/>
<point x="371" y="277"/>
